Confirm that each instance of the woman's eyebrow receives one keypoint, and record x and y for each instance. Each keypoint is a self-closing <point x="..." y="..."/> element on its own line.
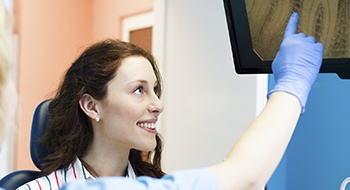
<point x="156" y="83"/>
<point x="138" y="81"/>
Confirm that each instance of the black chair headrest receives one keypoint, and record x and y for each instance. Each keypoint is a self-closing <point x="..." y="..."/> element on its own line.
<point x="39" y="151"/>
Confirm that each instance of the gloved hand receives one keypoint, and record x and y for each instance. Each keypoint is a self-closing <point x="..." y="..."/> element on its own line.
<point x="297" y="63"/>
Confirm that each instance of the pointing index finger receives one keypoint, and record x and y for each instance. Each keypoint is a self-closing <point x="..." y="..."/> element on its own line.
<point x="292" y="25"/>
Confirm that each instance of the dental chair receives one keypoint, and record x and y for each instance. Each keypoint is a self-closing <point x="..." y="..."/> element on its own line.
<point x="37" y="151"/>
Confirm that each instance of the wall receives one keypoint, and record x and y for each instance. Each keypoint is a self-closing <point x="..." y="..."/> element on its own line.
<point x="51" y="34"/>
<point x="207" y="105"/>
<point x="108" y="15"/>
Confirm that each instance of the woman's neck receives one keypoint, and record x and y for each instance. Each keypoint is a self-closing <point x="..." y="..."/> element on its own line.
<point x="106" y="161"/>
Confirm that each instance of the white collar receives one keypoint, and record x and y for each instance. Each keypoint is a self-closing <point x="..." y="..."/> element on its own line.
<point x="131" y="174"/>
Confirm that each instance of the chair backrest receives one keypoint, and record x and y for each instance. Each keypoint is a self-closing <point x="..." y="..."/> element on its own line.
<point x="37" y="151"/>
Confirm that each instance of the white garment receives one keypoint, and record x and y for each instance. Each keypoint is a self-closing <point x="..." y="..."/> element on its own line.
<point x="55" y="180"/>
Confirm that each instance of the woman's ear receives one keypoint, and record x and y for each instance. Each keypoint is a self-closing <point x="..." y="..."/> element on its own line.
<point x="89" y="106"/>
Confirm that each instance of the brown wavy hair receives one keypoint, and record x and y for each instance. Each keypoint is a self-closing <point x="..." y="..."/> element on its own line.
<point x="69" y="132"/>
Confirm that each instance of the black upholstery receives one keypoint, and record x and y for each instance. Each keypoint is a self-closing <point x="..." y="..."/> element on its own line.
<point x="37" y="151"/>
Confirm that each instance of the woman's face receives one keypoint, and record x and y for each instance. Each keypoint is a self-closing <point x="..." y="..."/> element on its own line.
<point x="131" y="109"/>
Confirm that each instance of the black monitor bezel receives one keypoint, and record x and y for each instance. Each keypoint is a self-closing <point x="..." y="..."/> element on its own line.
<point x="246" y="60"/>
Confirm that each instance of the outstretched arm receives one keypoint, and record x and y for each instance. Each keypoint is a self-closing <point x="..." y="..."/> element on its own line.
<point x="257" y="153"/>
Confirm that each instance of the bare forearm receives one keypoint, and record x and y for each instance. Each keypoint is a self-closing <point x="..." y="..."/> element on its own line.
<point x="257" y="153"/>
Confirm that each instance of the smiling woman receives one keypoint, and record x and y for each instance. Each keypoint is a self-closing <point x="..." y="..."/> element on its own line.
<point x="103" y="117"/>
<point x="131" y="104"/>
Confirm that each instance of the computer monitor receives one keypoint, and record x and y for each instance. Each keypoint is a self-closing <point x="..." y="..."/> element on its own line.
<point x="256" y="30"/>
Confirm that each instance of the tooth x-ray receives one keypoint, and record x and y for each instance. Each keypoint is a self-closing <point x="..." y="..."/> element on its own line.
<point x="327" y="20"/>
<point x="256" y="29"/>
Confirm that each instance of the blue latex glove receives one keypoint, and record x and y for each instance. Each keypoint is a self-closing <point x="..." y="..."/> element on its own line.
<point x="297" y="62"/>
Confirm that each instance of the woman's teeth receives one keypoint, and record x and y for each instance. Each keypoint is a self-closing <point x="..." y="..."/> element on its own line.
<point x="147" y="125"/>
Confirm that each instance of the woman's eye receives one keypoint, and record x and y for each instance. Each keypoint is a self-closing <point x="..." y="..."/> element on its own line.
<point x="139" y="90"/>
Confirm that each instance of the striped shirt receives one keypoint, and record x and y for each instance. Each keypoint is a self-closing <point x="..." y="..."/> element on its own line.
<point x="55" y="180"/>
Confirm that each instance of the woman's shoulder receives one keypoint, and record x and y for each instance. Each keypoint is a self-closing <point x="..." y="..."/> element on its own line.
<point x="36" y="184"/>
<point x="58" y="178"/>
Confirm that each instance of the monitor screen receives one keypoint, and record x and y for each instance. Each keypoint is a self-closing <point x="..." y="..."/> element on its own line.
<point x="256" y="30"/>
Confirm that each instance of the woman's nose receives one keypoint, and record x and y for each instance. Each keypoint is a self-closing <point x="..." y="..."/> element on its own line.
<point x="155" y="105"/>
